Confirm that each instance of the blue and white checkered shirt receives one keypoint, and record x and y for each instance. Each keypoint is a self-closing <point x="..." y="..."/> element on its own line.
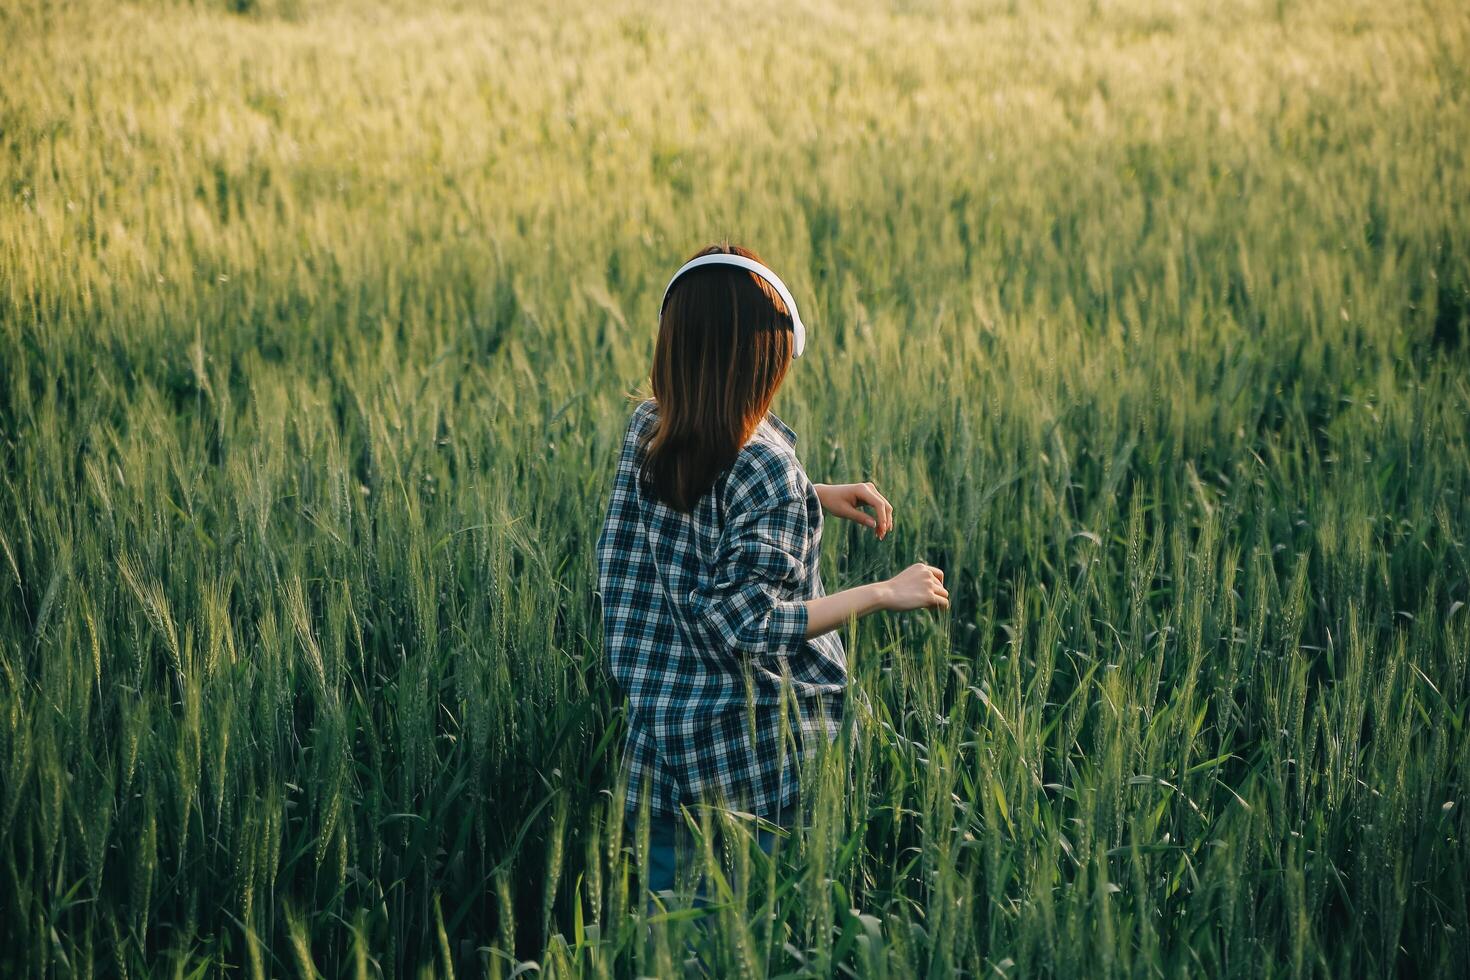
<point x="700" y="618"/>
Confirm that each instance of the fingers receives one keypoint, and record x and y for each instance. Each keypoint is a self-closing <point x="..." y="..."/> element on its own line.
<point x="883" y="510"/>
<point x="937" y="591"/>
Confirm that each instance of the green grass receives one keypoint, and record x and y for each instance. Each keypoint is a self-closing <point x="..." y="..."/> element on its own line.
<point x="317" y="322"/>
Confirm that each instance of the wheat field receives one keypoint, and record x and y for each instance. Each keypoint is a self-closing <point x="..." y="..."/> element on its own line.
<point x="319" y="323"/>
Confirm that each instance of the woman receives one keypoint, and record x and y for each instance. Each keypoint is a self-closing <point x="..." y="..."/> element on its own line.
<point x="707" y="562"/>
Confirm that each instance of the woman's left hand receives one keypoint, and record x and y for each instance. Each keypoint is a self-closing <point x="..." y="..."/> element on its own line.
<point x="848" y="499"/>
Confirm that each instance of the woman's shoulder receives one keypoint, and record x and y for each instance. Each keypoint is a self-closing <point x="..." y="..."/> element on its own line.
<point x="766" y="467"/>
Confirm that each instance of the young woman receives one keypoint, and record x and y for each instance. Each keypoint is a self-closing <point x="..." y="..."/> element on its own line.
<point x="707" y="562"/>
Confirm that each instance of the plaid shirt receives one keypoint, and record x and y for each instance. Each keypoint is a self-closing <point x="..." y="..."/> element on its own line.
<point x="701" y="616"/>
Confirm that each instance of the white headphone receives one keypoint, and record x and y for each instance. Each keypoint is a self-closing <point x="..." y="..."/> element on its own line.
<point x="723" y="258"/>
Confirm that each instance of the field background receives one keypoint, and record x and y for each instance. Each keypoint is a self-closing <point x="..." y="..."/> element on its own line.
<point x="318" y="323"/>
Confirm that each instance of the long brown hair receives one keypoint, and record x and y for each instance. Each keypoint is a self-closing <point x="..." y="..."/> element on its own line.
<point x="724" y="346"/>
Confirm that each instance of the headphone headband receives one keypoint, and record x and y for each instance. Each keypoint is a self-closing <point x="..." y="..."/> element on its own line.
<point x="740" y="261"/>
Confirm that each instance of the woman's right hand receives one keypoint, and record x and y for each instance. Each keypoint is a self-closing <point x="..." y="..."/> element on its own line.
<point x="917" y="587"/>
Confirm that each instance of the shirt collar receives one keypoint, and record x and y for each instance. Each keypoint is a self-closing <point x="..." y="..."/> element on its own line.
<point x="782" y="427"/>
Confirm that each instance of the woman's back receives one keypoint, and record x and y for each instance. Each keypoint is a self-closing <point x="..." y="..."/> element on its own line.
<point x="704" y="611"/>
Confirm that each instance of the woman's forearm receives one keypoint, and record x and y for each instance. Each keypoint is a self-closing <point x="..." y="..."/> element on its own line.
<point x="827" y="612"/>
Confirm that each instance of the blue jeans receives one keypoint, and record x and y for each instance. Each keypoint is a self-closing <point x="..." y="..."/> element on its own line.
<point x="670" y="842"/>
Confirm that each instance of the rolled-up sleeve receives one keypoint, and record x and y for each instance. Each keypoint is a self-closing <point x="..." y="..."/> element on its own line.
<point x="748" y="604"/>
